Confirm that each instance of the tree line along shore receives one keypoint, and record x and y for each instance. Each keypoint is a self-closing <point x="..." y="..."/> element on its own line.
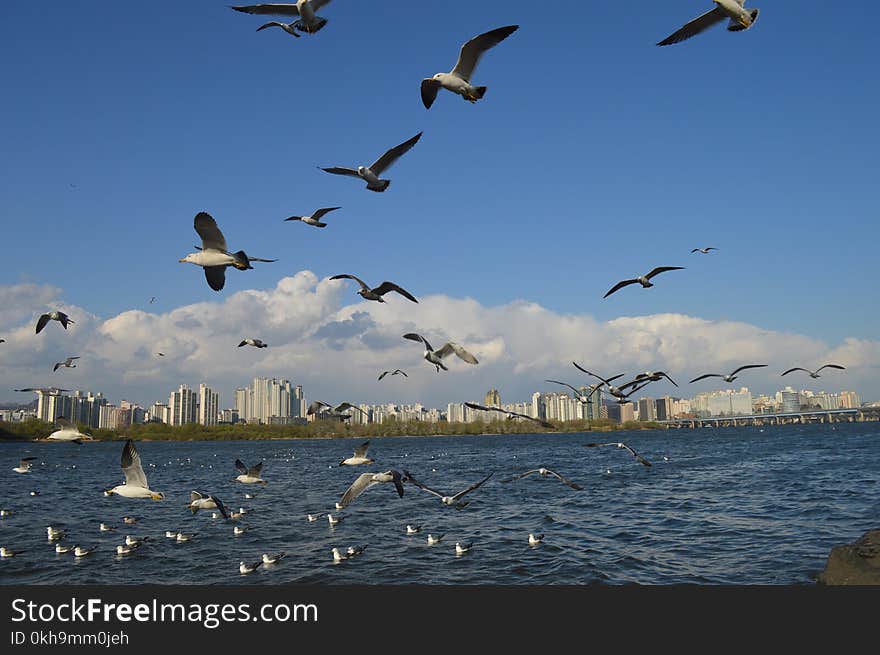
<point x="38" y="430"/>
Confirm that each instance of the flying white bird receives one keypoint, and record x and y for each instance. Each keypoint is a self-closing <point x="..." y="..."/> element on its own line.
<point x="24" y="466"/>
<point x="458" y="80"/>
<point x="314" y="219"/>
<point x="44" y="319"/>
<point x="815" y="374"/>
<point x="309" y="22"/>
<point x="67" y="363"/>
<point x="436" y="357"/>
<point x="135" y="485"/>
<point x="213" y="255"/>
<point x="370" y="174"/>
<point x="367" y="480"/>
<point x="740" y="19"/>
<point x="644" y="280"/>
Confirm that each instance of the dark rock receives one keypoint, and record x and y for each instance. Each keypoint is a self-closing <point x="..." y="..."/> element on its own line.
<point x="854" y="564"/>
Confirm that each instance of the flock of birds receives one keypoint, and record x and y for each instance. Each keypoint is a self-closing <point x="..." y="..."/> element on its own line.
<point x="136" y="486"/>
<point x="214" y="257"/>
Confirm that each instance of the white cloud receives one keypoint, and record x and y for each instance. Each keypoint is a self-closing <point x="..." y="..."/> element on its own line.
<point x="336" y="350"/>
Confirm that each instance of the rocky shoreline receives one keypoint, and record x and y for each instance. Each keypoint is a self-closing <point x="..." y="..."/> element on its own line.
<point x="857" y="563"/>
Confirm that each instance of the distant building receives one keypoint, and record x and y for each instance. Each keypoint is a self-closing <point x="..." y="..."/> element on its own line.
<point x="849" y="400"/>
<point x="492" y="398"/>
<point x="209" y="405"/>
<point x="647" y="409"/>
<point x="183" y="406"/>
<point x="789" y="400"/>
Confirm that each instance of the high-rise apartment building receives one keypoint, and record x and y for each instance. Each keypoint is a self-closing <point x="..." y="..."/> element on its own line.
<point x="183" y="406"/>
<point x="209" y="405"/>
<point x="492" y="398"/>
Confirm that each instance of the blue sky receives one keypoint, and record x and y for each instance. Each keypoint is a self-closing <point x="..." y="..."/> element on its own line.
<point x="594" y="156"/>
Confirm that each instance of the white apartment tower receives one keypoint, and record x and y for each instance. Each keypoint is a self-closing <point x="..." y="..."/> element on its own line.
<point x="209" y="405"/>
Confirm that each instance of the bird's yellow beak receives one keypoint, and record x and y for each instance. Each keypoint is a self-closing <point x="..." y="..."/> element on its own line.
<point x="109" y="492"/>
<point x="157" y="495"/>
<point x="182" y="261"/>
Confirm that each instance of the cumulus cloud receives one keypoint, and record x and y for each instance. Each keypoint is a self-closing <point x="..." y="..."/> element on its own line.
<point x="336" y="350"/>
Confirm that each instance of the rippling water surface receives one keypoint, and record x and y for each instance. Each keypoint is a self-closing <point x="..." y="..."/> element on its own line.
<point x="743" y="506"/>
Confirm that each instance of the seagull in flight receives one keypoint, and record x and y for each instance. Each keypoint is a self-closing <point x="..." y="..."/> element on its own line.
<point x="249" y="474"/>
<point x="445" y="498"/>
<point x="370" y="174"/>
<point x="545" y="472"/>
<point x="256" y="343"/>
<point x="815" y="374"/>
<point x="620" y="444"/>
<point x="727" y="378"/>
<point x="68" y="431"/>
<point x="614" y="391"/>
<point x="458" y="79"/>
<point x="649" y="376"/>
<point x="50" y="391"/>
<point x="67" y="363"/>
<point x="44" y="319"/>
<point x="24" y="465"/>
<point x="396" y="371"/>
<point x="335" y="412"/>
<point x="213" y="255"/>
<point x="375" y="293"/>
<point x="290" y="28"/>
<point x="135" y="485"/>
<point x="359" y="457"/>
<point x="740" y="19"/>
<point x="705" y="251"/>
<point x="436" y="357"/>
<point x="366" y="480"/>
<point x="315" y="219"/>
<point x="644" y="280"/>
<point x="309" y="22"/>
<point x="578" y="394"/>
<point x="510" y="415"/>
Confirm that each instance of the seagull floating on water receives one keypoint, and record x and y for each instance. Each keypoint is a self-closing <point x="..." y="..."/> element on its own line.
<point x="445" y="498"/>
<point x="413" y="529"/>
<point x="370" y="174"/>
<point x="135" y="485"/>
<point x="106" y="528"/>
<point x="61" y="549"/>
<point x="24" y="466"/>
<point x="375" y="293"/>
<point x="458" y="80"/>
<point x="309" y="22"/>
<point x="315" y="219"/>
<point x="8" y="552"/>
<point x="44" y="319"/>
<point x="55" y="534"/>
<point x="546" y="472"/>
<point x="367" y="480"/>
<point x="334" y="520"/>
<point x="730" y="377"/>
<point x="181" y="537"/>
<point x="740" y="19"/>
<point x="79" y="551"/>
<point x="462" y="548"/>
<point x="354" y="551"/>
<point x="313" y="517"/>
<point x="644" y="280"/>
<point x="67" y="363"/>
<point x="436" y="357"/>
<point x="249" y="568"/>
<point x="815" y="374"/>
<point x="273" y="559"/>
<point x="129" y="520"/>
<point x="213" y="255"/>
<point x="535" y="539"/>
<point x="434" y="539"/>
<point x="620" y="444"/>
